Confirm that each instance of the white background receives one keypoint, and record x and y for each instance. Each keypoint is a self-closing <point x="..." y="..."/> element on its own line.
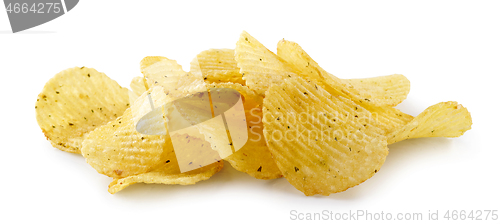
<point x="449" y="50"/>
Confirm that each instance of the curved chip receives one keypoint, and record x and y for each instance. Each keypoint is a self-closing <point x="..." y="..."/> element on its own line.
<point x="309" y="69"/>
<point x="168" y="172"/>
<point x="75" y="102"/>
<point x="446" y="119"/>
<point x="217" y="66"/>
<point x="320" y="142"/>
<point x="118" y="150"/>
<point x="389" y="118"/>
<point x="254" y="157"/>
<point x="259" y="66"/>
<point x="389" y="90"/>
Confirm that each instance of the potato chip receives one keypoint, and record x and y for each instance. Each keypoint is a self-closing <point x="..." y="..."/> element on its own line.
<point x="259" y="66"/>
<point x="446" y="119"/>
<point x="389" y="90"/>
<point x="75" y="102"/>
<point x="217" y="66"/>
<point x="378" y="91"/>
<point x="118" y="150"/>
<point x="254" y="157"/>
<point x="320" y="142"/>
<point x="168" y="172"/>
<point x="389" y="118"/>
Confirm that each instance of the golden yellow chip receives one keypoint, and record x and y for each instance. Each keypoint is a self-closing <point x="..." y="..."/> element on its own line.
<point x="118" y="150"/>
<point x="168" y="171"/>
<point x="446" y="119"/>
<point x="217" y="66"/>
<point x="379" y="91"/>
<point x="259" y="66"/>
<point x="75" y="102"/>
<point x="389" y="118"/>
<point x="389" y="90"/>
<point x="254" y="157"/>
<point x="320" y="142"/>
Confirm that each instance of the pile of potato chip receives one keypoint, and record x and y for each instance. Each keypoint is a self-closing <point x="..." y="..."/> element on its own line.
<point x="322" y="133"/>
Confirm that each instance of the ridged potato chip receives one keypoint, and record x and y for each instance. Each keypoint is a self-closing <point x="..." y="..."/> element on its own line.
<point x="254" y="157"/>
<point x="259" y="66"/>
<point x="336" y="147"/>
<point x="446" y="119"/>
<point x="118" y="150"/>
<point x="380" y="91"/>
<point x="262" y="67"/>
<point x="217" y="66"/>
<point x="168" y="172"/>
<point x="75" y="102"/>
<point x="389" y="118"/>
